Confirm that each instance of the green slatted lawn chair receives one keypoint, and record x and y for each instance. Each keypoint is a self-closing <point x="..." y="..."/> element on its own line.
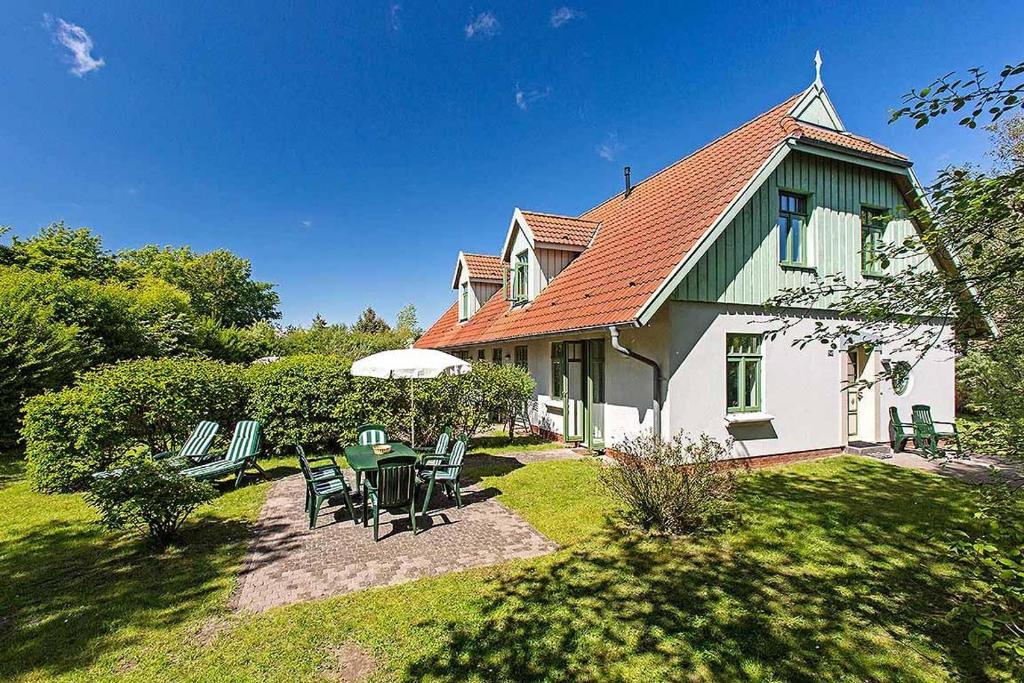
<point x="371" y="434"/>
<point x="445" y="470"/>
<point x="926" y="436"/>
<point x="194" y="450"/>
<point x="326" y="470"/>
<point x="899" y="432"/>
<point x="441" y="447"/>
<point x="241" y="455"/>
<point x="394" y="486"/>
<point x="322" y="485"/>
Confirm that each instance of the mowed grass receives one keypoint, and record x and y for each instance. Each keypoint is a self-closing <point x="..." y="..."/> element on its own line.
<point x="833" y="570"/>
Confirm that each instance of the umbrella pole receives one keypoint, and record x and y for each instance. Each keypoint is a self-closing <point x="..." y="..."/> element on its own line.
<point x="412" y="415"/>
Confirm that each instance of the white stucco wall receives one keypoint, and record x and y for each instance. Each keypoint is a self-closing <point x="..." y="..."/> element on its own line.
<point x="801" y="388"/>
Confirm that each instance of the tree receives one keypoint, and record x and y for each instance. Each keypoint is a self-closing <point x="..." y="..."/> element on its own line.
<point x="219" y="283"/>
<point x="406" y="322"/>
<point x="58" y="249"/>
<point x="370" y="323"/>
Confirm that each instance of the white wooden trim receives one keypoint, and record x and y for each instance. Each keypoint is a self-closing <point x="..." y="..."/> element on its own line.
<point x="517" y="219"/>
<point x="816" y="92"/>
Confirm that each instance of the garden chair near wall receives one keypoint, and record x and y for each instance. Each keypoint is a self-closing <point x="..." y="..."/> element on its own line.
<point x="394" y="485"/>
<point x="240" y="456"/>
<point x="195" y="448"/>
<point x="445" y="470"/>
<point x="899" y="432"/>
<point x="323" y="483"/>
<point x="926" y="436"/>
<point x="441" y="447"/>
<point x="372" y="434"/>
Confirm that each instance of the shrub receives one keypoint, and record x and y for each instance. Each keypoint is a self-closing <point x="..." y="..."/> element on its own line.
<point x="110" y="412"/>
<point x="315" y="401"/>
<point x="677" y="487"/>
<point x="150" y="497"/>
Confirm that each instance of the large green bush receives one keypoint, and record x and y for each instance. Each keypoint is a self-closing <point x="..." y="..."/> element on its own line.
<point x="115" y="413"/>
<point x="112" y="412"/>
<point x="314" y="400"/>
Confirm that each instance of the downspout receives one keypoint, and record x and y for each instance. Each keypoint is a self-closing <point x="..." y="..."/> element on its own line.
<point x="656" y="399"/>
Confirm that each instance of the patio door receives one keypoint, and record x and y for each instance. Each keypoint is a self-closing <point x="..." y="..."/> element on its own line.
<point x="861" y="399"/>
<point x="853" y="370"/>
<point x="574" y="392"/>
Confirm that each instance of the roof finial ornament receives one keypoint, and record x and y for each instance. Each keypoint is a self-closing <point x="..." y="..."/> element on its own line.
<point x="817" y="69"/>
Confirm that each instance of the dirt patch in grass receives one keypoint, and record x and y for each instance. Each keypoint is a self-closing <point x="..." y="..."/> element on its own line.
<point x="126" y="665"/>
<point x="349" y="663"/>
<point x="210" y="630"/>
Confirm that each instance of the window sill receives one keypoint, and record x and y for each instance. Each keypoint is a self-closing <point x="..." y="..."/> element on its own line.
<point x="789" y="265"/>
<point x="553" y="406"/>
<point x="873" y="276"/>
<point x="748" y="418"/>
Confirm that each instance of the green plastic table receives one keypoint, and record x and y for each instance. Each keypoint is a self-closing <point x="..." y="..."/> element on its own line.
<point x="362" y="458"/>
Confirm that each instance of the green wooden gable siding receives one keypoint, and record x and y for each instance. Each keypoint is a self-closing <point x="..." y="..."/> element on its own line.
<point x="742" y="266"/>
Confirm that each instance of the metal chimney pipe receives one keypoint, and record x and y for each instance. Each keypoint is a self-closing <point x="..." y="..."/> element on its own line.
<point x="625" y="172"/>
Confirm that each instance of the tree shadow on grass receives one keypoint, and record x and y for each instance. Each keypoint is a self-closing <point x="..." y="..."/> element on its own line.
<point x="72" y="593"/>
<point x="822" y="578"/>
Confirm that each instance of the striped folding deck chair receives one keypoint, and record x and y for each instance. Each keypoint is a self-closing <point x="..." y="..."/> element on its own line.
<point x="241" y="455"/>
<point x="195" y="448"/>
<point x="372" y="434"/>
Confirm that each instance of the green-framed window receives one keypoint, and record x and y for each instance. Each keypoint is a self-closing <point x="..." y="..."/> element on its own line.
<point x="521" y="359"/>
<point x="872" y="231"/>
<point x="792" y="229"/>
<point x="520" y="275"/>
<point x="464" y="301"/>
<point x="496" y="356"/>
<point x="743" y="372"/>
<point x="557" y="369"/>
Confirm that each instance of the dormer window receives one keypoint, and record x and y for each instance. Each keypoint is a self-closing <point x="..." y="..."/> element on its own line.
<point x="464" y="301"/>
<point x="520" y="275"/>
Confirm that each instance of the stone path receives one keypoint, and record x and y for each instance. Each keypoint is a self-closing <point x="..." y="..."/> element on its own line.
<point x="974" y="469"/>
<point x="287" y="562"/>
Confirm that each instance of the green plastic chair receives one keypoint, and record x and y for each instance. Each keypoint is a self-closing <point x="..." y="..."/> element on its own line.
<point x="441" y="447"/>
<point x="323" y="482"/>
<point x="195" y="448"/>
<point x="394" y="486"/>
<point x="445" y="470"/>
<point x="240" y="456"/>
<point x="372" y="434"/>
<point x="926" y="436"/>
<point x="899" y="432"/>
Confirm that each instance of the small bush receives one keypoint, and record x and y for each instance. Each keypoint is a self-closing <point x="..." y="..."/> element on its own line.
<point x="148" y="497"/>
<point x="675" y="487"/>
<point x="101" y="421"/>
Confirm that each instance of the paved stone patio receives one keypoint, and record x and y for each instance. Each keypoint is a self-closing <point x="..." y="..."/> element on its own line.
<point x="287" y="562"/>
<point x="974" y="468"/>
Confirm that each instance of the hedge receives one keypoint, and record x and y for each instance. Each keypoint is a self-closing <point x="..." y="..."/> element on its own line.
<point x="113" y="411"/>
<point x="122" y="411"/>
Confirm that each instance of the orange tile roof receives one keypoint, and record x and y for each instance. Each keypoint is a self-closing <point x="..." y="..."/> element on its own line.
<point x="554" y="229"/>
<point x="643" y="236"/>
<point x="483" y="267"/>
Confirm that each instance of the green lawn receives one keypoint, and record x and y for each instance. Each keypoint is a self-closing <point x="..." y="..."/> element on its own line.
<point x="833" y="571"/>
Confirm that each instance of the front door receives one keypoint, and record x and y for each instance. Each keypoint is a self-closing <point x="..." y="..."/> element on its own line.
<point x="574" y="399"/>
<point x="595" y="397"/>
<point x="853" y="372"/>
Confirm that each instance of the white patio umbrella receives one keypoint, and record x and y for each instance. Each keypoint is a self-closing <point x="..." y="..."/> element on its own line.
<point x="410" y="364"/>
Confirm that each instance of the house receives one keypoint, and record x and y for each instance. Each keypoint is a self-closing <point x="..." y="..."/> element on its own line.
<point x="647" y="311"/>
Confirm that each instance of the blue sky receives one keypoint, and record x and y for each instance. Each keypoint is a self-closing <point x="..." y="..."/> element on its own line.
<point x="350" y="150"/>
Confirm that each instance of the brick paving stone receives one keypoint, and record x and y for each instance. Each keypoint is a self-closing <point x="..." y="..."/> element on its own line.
<point x="288" y="562"/>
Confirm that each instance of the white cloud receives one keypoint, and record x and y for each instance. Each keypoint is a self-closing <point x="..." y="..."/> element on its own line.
<point x="77" y="41"/>
<point x="563" y="15"/>
<point x="610" y="148"/>
<point x="307" y="224"/>
<point x="485" y="25"/>
<point x="394" y="20"/>
<point x="524" y="98"/>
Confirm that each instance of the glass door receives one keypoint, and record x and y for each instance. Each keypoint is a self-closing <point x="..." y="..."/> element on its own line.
<point x="595" y="382"/>
<point x="574" y="391"/>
